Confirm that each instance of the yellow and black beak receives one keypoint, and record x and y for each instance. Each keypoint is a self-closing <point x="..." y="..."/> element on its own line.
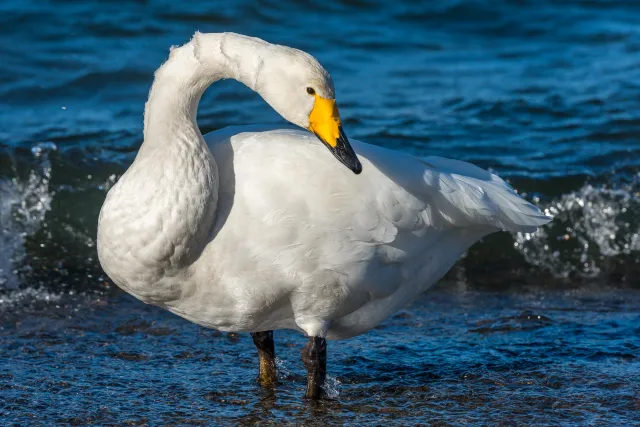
<point x="324" y="122"/>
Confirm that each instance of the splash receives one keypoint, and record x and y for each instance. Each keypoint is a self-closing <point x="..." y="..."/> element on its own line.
<point x="14" y="297"/>
<point x="592" y="226"/>
<point x="23" y="206"/>
<point x="331" y="387"/>
<point x="283" y="371"/>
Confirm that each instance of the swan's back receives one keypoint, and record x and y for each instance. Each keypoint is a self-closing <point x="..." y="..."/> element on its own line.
<point x="384" y="236"/>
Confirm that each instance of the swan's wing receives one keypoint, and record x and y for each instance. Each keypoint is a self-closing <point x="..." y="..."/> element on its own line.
<point x="400" y="205"/>
<point x="424" y="213"/>
<point x="458" y="194"/>
<point x="431" y="210"/>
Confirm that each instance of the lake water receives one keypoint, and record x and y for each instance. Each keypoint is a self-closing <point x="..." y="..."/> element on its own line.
<point x="526" y="329"/>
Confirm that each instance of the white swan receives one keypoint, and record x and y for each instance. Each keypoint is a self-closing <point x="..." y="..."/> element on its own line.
<point x="253" y="230"/>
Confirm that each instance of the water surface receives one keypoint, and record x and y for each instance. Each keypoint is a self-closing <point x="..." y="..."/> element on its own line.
<point x="527" y="329"/>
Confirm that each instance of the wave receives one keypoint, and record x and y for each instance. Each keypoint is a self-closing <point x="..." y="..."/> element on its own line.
<point x="47" y="237"/>
<point x="23" y="206"/>
<point x="595" y="231"/>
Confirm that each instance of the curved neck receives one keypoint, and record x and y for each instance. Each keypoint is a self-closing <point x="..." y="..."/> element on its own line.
<point x="164" y="207"/>
<point x="180" y="82"/>
<point x="174" y="158"/>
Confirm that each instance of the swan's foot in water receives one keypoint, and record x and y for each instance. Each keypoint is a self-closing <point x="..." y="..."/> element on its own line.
<point x="314" y="357"/>
<point x="267" y="354"/>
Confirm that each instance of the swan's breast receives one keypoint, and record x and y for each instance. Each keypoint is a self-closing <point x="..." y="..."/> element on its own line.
<point x="154" y="224"/>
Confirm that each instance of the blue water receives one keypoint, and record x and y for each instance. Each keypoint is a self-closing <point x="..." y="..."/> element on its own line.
<point x="545" y="93"/>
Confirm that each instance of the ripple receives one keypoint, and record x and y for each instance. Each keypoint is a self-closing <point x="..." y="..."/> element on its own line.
<point x="130" y="357"/>
<point x="521" y="322"/>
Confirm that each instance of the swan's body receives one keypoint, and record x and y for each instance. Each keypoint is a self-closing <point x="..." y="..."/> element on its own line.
<point x="250" y="230"/>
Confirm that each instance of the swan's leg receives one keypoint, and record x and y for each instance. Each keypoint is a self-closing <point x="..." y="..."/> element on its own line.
<point x="267" y="355"/>
<point x="314" y="357"/>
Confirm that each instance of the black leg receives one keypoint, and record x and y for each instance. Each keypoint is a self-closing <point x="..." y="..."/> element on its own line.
<point x="314" y="357"/>
<point x="267" y="355"/>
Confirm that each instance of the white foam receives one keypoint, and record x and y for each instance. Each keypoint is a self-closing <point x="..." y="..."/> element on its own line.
<point x="15" y="297"/>
<point x="590" y="226"/>
<point x="23" y="206"/>
<point x="332" y="386"/>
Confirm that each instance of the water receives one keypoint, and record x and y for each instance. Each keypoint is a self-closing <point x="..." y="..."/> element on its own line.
<point x="535" y="329"/>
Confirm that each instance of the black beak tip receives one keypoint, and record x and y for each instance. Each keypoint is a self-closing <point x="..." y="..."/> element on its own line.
<point x="344" y="153"/>
<point x="357" y="168"/>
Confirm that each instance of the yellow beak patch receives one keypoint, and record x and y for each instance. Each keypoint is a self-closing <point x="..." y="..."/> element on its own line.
<point x="324" y="120"/>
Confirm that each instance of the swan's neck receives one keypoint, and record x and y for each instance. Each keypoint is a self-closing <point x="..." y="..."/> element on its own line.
<point x="159" y="217"/>
<point x="170" y="113"/>
<point x="179" y="160"/>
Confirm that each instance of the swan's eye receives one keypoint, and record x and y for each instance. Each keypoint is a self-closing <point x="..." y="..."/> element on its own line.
<point x="311" y="91"/>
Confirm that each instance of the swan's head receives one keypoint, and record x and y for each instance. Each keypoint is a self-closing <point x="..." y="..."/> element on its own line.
<point x="302" y="92"/>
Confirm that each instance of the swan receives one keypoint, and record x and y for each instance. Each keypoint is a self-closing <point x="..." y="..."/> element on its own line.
<point x="254" y="229"/>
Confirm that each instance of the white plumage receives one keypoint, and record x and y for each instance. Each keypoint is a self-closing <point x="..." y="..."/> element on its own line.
<point x="251" y="229"/>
